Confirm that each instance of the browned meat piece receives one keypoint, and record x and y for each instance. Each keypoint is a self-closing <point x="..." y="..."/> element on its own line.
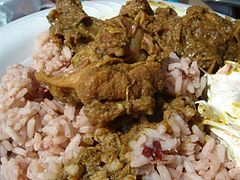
<point x="201" y="35"/>
<point x="125" y="81"/>
<point x="205" y="37"/>
<point x="71" y="26"/>
<point x="155" y="28"/>
<point x="133" y="7"/>
<point x="155" y="24"/>
<point x="120" y="39"/>
<point x="110" y="43"/>
<point x="101" y="113"/>
<point x="113" y="38"/>
<point x="129" y="84"/>
<point x="233" y="45"/>
<point x="117" y="62"/>
<point x="138" y="34"/>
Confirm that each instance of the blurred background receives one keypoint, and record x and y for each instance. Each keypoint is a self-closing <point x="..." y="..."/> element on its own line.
<point x="11" y="10"/>
<point x="228" y="7"/>
<point x="14" y="9"/>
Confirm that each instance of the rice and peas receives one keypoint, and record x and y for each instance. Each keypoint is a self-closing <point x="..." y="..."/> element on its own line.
<point x="39" y="135"/>
<point x="36" y="133"/>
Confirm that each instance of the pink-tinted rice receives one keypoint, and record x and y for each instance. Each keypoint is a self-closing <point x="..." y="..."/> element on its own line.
<point x="38" y="138"/>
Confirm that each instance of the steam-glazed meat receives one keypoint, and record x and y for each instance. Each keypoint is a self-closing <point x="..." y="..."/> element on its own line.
<point x="119" y="88"/>
<point x="120" y="39"/>
<point x="110" y="45"/>
<point x="138" y="34"/>
<point x="101" y="113"/>
<point x="71" y="26"/>
<point x="117" y="62"/>
<point x="200" y="34"/>
<point x="132" y="8"/>
<point x="208" y="38"/>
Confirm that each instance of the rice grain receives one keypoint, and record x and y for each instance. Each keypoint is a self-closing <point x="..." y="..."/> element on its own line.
<point x="31" y="128"/>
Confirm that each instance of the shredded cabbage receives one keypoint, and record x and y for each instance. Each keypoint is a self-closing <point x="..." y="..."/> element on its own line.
<point x="222" y="110"/>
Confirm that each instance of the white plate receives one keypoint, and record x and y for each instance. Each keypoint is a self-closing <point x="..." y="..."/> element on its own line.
<point x="18" y="37"/>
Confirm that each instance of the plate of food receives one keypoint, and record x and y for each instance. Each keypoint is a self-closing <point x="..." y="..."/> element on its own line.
<point x="120" y="90"/>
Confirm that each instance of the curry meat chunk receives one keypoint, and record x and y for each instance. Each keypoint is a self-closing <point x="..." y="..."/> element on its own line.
<point x="117" y="62"/>
<point x="109" y="91"/>
<point x="71" y="26"/>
